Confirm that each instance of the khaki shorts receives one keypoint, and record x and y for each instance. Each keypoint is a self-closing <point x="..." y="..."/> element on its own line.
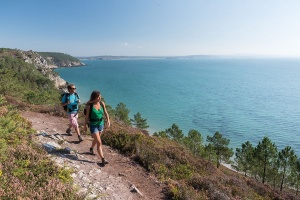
<point x="73" y="119"/>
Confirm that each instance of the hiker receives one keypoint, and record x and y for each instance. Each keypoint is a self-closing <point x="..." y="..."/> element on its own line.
<point x="95" y="108"/>
<point x="71" y="100"/>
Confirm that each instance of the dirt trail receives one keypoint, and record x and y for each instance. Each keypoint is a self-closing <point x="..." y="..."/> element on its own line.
<point x="122" y="178"/>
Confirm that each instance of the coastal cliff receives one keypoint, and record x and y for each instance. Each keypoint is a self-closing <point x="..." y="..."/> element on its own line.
<point x="45" y="62"/>
<point x="56" y="60"/>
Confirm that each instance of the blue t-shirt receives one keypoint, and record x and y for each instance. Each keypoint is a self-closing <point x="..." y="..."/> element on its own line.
<point x="73" y="105"/>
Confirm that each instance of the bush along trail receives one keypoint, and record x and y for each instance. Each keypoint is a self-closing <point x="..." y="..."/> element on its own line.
<point x="122" y="178"/>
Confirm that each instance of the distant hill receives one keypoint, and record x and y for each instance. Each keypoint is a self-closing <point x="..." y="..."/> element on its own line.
<point x="142" y="57"/>
<point x="60" y="59"/>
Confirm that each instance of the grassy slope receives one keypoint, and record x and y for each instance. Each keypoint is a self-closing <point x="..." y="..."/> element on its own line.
<point x="187" y="176"/>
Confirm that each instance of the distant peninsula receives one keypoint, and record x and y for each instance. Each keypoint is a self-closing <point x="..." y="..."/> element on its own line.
<point x="142" y="57"/>
<point x="57" y="60"/>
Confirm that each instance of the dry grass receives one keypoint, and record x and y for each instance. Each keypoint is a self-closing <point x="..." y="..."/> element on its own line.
<point x="26" y="172"/>
<point x="187" y="176"/>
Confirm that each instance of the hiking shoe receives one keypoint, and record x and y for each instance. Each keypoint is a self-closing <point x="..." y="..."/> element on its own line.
<point x="104" y="161"/>
<point x="79" y="138"/>
<point x="68" y="131"/>
<point x="92" y="151"/>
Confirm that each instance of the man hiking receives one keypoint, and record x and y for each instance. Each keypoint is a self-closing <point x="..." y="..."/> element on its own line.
<point x="71" y="101"/>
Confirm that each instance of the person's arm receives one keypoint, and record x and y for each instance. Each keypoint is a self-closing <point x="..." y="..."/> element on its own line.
<point x="64" y="104"/>
<point x="106" y="114"/>
<point x="78" y="98"/>
<point x="87" y="114"/>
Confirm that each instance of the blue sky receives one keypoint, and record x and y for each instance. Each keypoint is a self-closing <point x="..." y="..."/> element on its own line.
<point x="152" y="27"/>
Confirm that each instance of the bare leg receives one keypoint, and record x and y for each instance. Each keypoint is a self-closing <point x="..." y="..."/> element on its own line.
<point x="68" y="131"/>
<point x="94" y="142"/>
<point x="77" y="131"/>
<point x="97" y="140"/>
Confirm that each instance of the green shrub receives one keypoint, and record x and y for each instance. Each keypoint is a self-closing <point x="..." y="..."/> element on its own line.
<point x="25" y="82"/>
<point x="181" y="171"/>
<point x="180" y="191"/>
<point x="122" y="141"/>
<point x="65" y="175"/>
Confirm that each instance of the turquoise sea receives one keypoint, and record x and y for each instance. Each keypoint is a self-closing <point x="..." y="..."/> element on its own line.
<point x="244" y="99"/>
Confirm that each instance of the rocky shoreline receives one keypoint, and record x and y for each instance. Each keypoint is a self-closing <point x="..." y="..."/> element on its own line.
<point x="45" y="68"/>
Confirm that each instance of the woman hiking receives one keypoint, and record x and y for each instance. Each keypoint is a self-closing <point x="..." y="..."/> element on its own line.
<point x="95" y="108"/>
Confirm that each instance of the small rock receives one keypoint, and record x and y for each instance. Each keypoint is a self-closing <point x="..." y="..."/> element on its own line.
<point x="51" y="146"/>
<point x="134" y="189"/>
<point x="122" y="174"/>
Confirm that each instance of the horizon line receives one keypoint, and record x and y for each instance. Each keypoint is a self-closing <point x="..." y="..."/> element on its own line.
<point x="200" y="55"/>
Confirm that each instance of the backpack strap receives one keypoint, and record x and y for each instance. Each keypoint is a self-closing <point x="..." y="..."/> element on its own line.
<point x="91" y="107"/>
<point x="101" y="105"/>
<point x="76" y="95"/>
<point x="67" y="95"/>
<point x="64" y="99"/>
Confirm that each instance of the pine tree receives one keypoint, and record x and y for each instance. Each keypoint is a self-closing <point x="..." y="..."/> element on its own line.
<point x="139" y="122"/>
<point x="295" y="176"/>
<point x="286" y="157"/>
<point x="122" y="113"/>
<point x="265" y="154"/>
<point x="244" y="157"/>
<point x="209" y="152"/>
<point x="175" y="133"/>
<point x="161" y="134"/>
<point x="194" y="141"/>
<point x="220" y="145"/>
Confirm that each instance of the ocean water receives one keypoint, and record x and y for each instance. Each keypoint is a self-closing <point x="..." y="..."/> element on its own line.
<point x="243" y="99"/>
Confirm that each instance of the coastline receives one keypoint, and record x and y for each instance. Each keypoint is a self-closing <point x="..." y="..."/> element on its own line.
<point x="229" y="167"/>
<point x="163" y="99"/>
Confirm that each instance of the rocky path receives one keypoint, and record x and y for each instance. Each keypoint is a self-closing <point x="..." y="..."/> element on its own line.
<point x="120" y="179"/>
